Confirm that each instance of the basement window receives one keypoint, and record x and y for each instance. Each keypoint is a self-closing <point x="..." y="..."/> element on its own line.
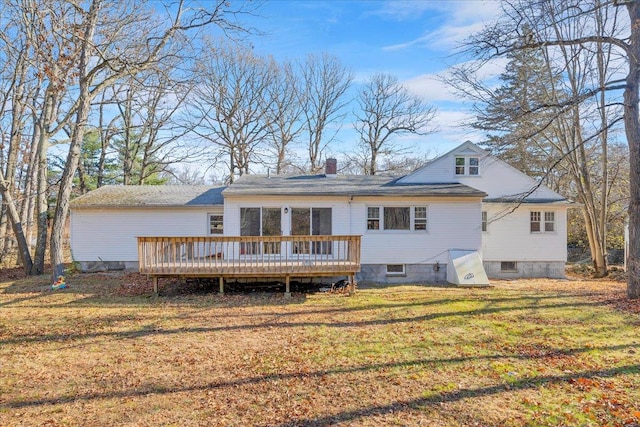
<point x="395" y="270"/>
<point x="508" y="266"/>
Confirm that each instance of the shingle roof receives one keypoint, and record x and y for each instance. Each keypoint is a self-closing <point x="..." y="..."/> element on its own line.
<point x="511" y="200"/>
<point x="150" y="195"/>
<point x="342" y="185"/>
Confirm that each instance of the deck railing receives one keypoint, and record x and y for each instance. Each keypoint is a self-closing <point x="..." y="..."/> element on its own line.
<point x="260" y="256"/>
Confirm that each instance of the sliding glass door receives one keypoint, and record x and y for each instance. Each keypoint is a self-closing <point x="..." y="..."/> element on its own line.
<point x="260" y="222"/>
<point x="311" y="222"/>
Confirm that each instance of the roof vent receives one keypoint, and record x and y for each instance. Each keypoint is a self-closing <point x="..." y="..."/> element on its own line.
<point x="331" y="168"/>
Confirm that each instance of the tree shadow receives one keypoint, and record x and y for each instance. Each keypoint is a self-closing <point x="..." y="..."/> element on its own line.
<point x="457" y="395"/>
<point x="346" y="416"/>
<point x="143" y="332"/>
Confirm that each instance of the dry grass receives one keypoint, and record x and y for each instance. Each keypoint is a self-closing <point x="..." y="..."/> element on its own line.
<point x="106" y="352"/>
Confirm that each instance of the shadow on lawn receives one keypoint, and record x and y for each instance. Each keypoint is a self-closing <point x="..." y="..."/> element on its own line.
<point x="118" y="289"/>
<point x="453" y="396"/>
<point x="153" y="330"/>
<point x="525" y="383"/>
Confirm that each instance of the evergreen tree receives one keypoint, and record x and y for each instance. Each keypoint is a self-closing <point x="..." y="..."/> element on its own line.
<point x="519" y="116"/>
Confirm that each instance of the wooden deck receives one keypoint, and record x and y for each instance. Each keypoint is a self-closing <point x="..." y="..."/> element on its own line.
<point x="249" y="257"/>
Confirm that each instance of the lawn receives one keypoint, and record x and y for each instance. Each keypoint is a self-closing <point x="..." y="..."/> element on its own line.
<point x="107" y="352"/>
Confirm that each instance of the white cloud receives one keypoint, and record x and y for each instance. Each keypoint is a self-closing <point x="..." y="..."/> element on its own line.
<point x="463" y="18"/>
<point x="432" y="88"/>
<point x="428" y="86"/>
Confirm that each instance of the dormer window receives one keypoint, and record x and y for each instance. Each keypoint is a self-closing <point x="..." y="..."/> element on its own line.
<point x="468" y="166"/>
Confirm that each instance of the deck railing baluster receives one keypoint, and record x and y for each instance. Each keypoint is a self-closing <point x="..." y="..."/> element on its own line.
<point x="247" y="256"/>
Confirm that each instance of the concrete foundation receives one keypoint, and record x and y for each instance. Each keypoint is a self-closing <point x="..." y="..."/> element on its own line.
<point x="526" y="269"/>
<point x="413" y="273"/>
<point x="96" y="266"/>
<point x="377" y="273"/>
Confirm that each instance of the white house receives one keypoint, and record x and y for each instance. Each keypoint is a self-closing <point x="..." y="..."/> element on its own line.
<point x="524" y="223"/>
<point x="408" y="227"/>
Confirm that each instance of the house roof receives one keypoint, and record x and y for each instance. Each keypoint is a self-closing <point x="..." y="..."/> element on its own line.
<point x="466" y="148"/>
<point x="511" y="200"/>
<point x="342" y="185"/>
<point x="150" y="195"/>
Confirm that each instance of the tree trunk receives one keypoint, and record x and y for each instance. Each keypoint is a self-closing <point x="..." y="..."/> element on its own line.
<point x="42" y="205"/>
<point x="12" y="212"/>
<point x="73" y="157"/>
<point x="632" y="129"/>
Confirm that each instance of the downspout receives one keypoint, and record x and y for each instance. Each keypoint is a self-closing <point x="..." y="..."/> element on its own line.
<point x="350" y="218"/>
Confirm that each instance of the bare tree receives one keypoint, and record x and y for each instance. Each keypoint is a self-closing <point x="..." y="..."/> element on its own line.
<point x="598" y="34"/>
<point x="387" y="111"/>
<point x="232" y="104"/>
<point x="144" y="133"/>
<point x="283" y="119"/>
<point x="325" y="84"/>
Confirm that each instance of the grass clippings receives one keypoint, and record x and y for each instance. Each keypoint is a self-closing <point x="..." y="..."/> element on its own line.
<point x="106" y="351"/>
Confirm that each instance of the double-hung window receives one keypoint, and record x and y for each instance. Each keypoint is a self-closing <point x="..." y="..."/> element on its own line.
<point x="420" y="218"/>
<point x="216" y="223"/>
<point x="467" y="166"/>
<point x="542" y="222"/>
<point x="373" y="218"/>
<point x="397" y="218"/>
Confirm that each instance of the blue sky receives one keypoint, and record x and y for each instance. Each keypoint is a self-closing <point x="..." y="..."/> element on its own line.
<point x="413" y="40"/>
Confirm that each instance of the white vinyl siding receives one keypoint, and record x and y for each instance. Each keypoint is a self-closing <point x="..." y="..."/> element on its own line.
<point x="510" y="238"/>
<point x="469" y="166"/>
<point x="340" y="219"/>
<point x="452" y="224"/>
<point x="397" y="218"/>
<point x="542" y="222"/>
<point x="109" y="234"/>
<point x="498" y="179"/>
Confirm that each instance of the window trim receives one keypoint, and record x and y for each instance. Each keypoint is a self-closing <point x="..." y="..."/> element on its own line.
<point x="412" y="219"/>
<point x="312" y="247"/>
<point x="267" y="248"/>
<point x="542" y="222"/>
<point x="504" y="269"/>
<point x="388" y="214"/>
<point x="210" y="216"/>
<point x="396" y="273"/>
<point x="552" y="221"/>
<point x="466" y="167"/>
<point x="373" y="219"/>
<point x="484" y="223"/>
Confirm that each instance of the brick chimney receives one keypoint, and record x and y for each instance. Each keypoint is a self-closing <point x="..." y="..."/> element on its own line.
<point x="331" y="168"/>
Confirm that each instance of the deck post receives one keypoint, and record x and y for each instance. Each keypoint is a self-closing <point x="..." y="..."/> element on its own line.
<point x="287" y="289"/>
<point x="221" y="285"/>
<point x="155" y="285"/>
<point x="352" y="284"/>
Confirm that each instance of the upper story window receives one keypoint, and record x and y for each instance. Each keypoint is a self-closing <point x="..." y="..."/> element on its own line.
<point x="397" y="218"/>
<point x="484" y="220"/>
<point x="467" y="166"/>
<point x="543" y="222"/>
